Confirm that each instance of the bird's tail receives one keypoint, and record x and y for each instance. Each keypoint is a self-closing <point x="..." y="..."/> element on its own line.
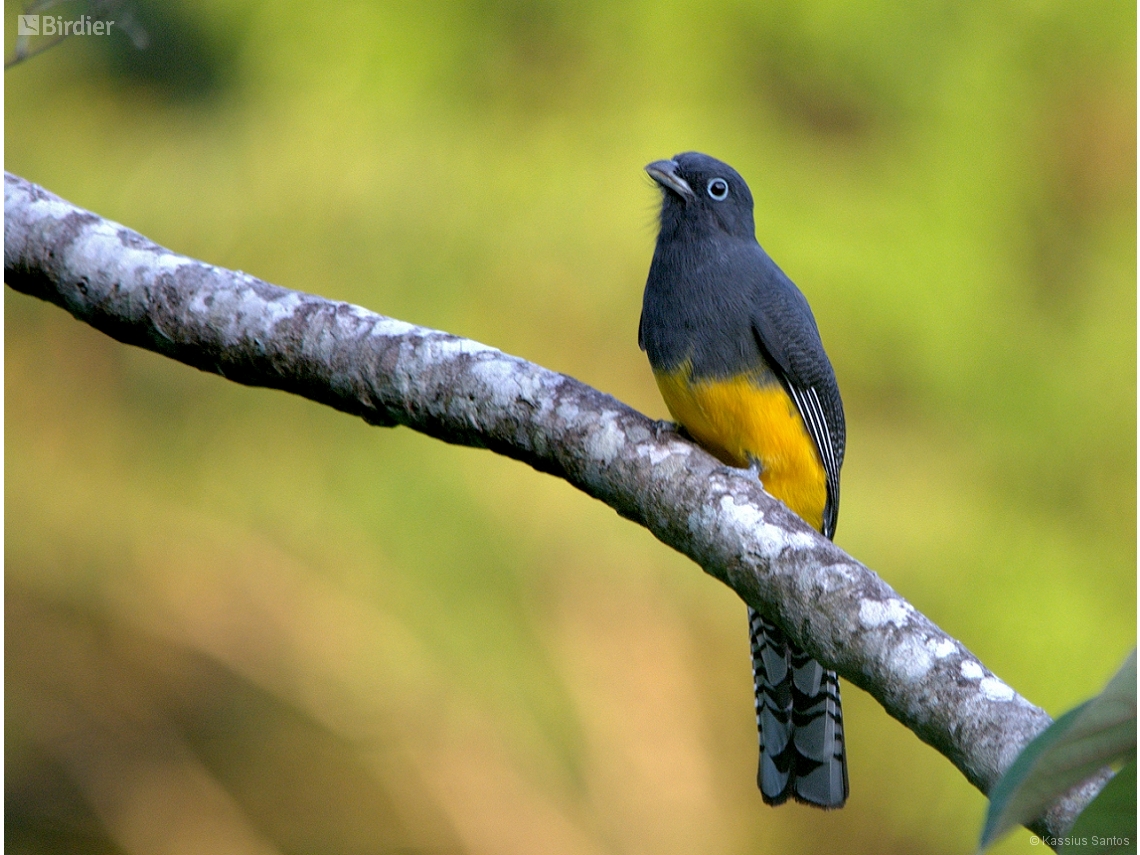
<point x="802" y="754"/>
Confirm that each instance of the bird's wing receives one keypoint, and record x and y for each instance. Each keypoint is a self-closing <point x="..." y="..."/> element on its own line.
<point x="830" y="450"/>
<point x="785" y="330"/>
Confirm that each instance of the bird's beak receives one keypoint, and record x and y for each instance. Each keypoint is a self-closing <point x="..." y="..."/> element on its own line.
<point x="664" y="172"/>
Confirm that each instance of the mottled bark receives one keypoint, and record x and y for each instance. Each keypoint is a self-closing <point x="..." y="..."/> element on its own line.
<point x="393" y="373"/>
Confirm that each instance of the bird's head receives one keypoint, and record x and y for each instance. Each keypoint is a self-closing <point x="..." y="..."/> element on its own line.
<point x="702" y="195"/>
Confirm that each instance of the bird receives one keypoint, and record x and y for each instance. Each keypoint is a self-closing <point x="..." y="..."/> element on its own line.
<point x="738" y="359"/>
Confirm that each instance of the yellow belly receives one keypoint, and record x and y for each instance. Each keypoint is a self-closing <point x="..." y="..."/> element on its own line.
<point x="741" y="419"/>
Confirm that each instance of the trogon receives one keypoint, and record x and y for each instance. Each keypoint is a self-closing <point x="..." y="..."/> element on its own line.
<point x="737" y="356"/>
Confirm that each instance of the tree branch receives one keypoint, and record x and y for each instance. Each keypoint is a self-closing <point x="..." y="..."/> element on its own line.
<point x="393" y="373"/>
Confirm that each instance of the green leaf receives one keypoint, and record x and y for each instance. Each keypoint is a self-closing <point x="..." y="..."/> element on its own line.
<point x="1108" y="824"/>
<point x="1076" y="746"/>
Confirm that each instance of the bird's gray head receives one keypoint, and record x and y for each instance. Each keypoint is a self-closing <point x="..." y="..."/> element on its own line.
<point x="702" y="196"/>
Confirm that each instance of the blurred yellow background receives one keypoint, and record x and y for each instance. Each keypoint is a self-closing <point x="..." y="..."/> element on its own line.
<point x="237" y="621"/>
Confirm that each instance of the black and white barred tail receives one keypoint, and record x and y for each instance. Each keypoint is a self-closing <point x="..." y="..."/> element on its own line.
<point x="800" y="720"/>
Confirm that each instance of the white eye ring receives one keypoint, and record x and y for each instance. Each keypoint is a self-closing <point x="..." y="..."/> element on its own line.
<point x="718" y="189"/>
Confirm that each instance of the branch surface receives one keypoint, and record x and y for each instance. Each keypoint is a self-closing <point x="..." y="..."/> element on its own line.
<point x="390" y="372"/>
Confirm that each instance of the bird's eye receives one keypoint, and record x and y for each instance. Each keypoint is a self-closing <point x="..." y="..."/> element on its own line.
<point x="718" y="189"/>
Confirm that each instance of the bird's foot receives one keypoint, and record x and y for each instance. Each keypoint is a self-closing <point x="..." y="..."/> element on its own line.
<point x="664" y="427"/>
<point x="756" y="470"/>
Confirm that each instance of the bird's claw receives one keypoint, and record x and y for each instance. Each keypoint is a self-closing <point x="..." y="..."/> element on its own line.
<point x="662" y="427"/>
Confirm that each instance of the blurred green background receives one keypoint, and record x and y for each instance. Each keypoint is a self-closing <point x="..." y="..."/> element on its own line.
<point x="237" y="621"/>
